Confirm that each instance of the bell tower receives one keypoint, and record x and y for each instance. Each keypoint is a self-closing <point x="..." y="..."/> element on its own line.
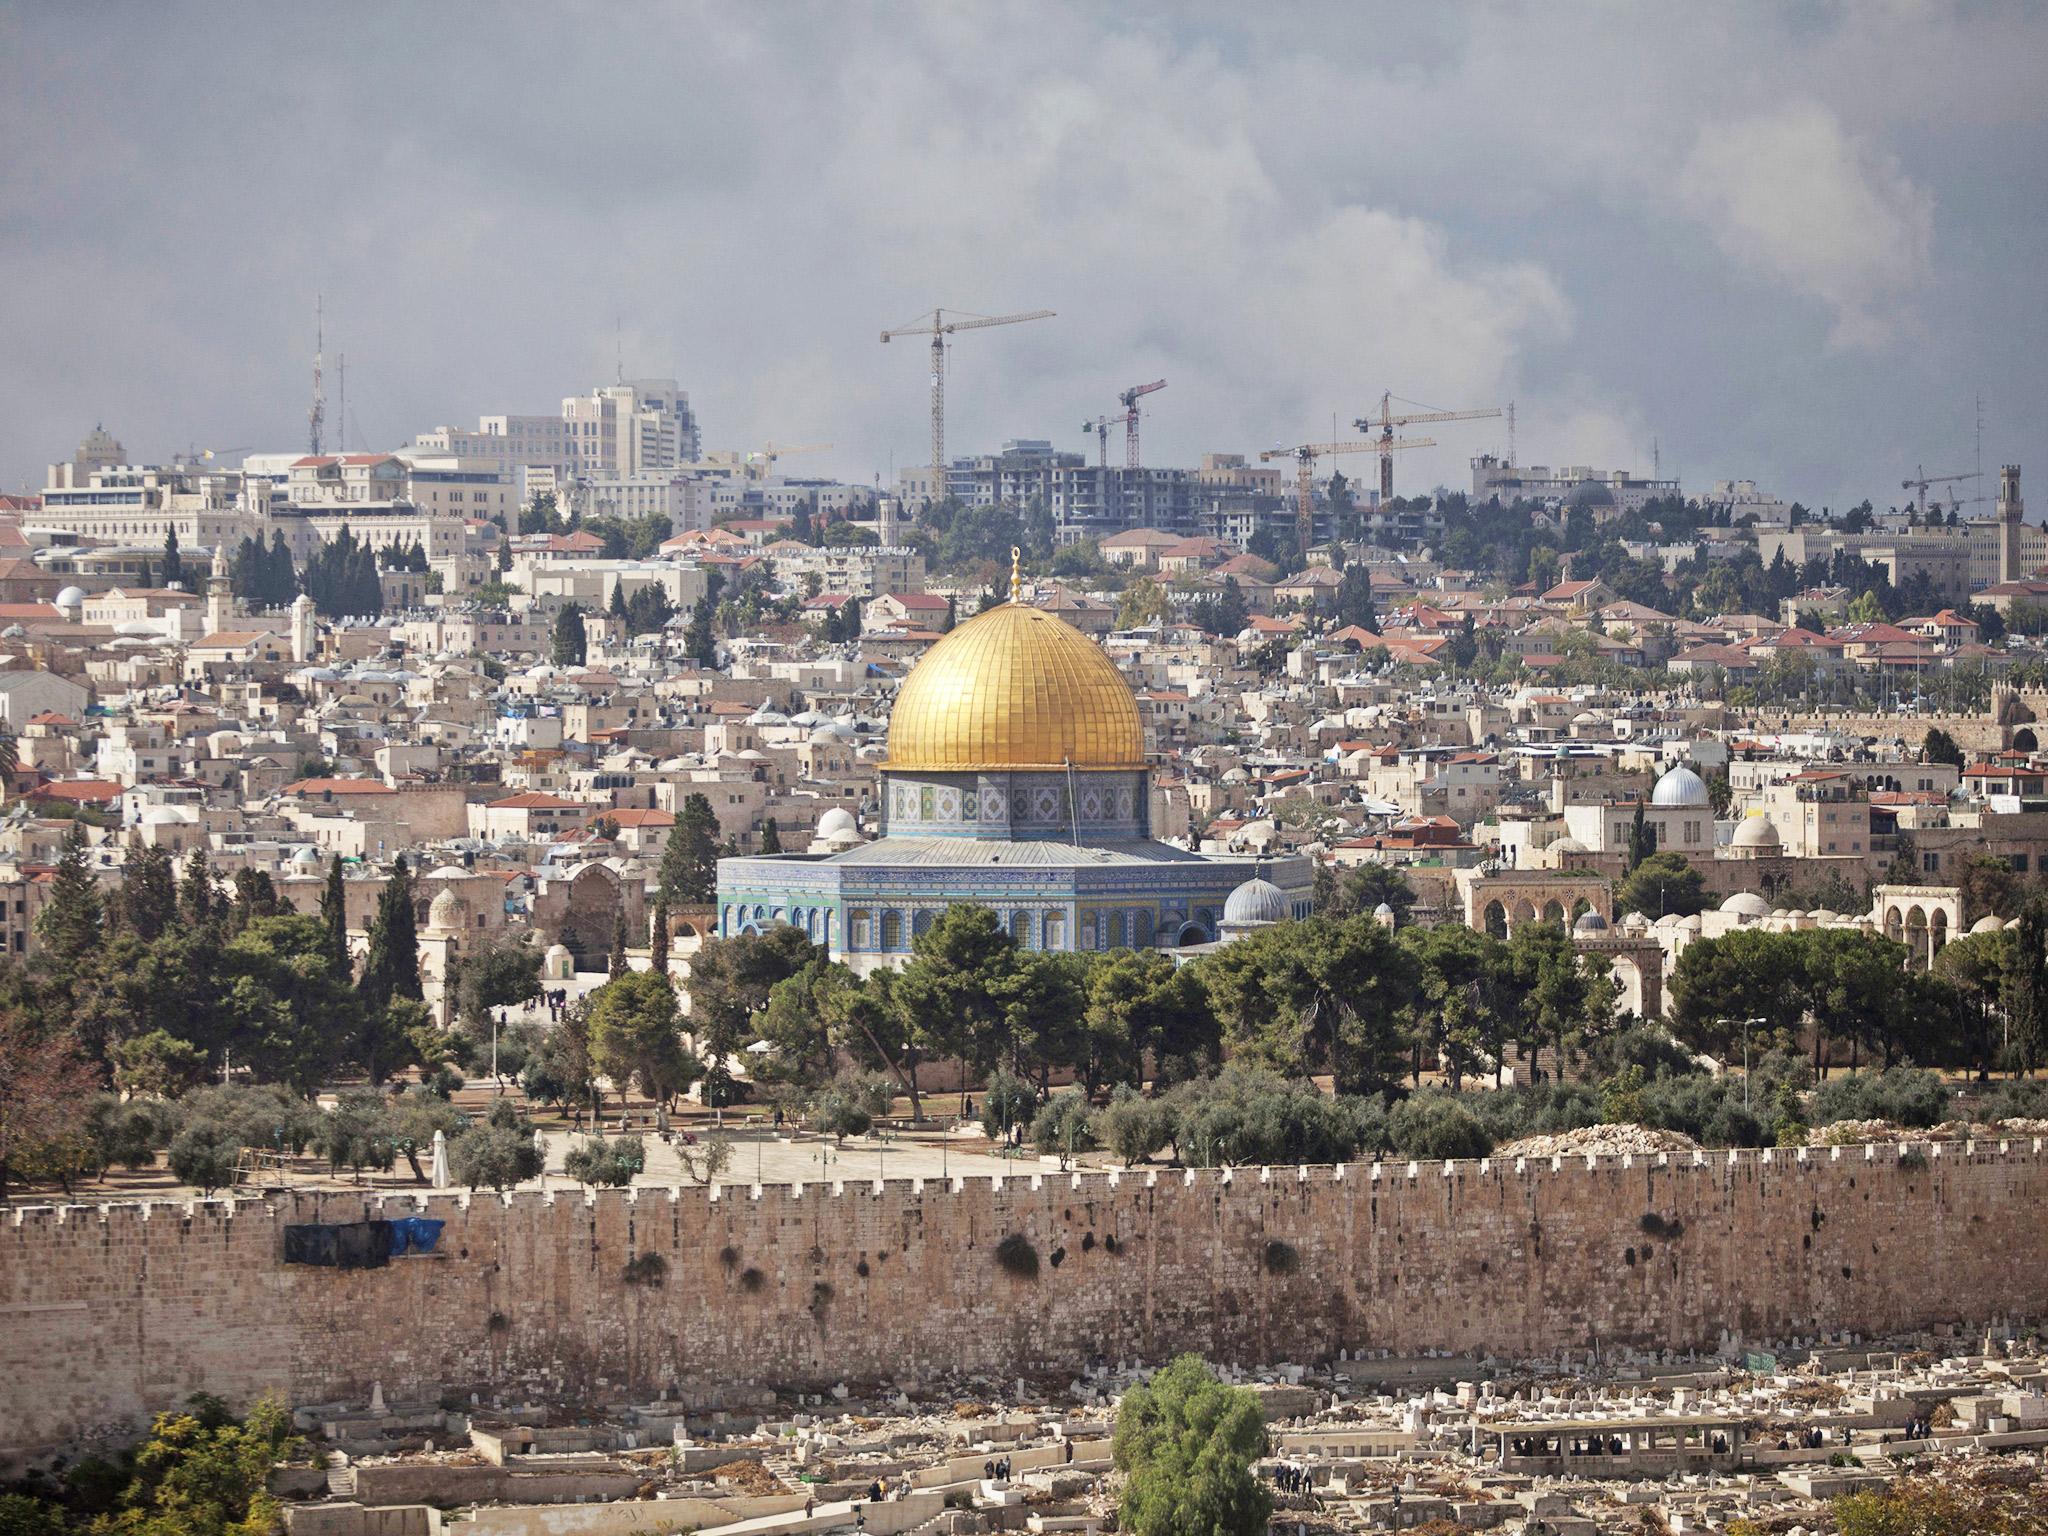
<point x="2011" y="518"/>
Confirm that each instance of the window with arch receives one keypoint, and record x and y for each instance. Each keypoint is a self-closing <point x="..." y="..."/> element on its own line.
<point x="892" y="930"/>
<point x="922" y="923"/>
<point x="1020" y="929"/>
<point x="1055" y="930"/>
<point x="862" y="923"/>
<point x="1141" y="928"/>
<point x="1112" y="930"/>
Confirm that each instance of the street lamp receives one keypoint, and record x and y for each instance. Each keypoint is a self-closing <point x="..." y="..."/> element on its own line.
<point x="1747" y="1026"/>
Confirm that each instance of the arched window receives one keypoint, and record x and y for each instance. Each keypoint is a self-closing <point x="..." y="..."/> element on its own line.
<point x="1141" y="929"/>
<point x="863" y="925"/>
<point x="921" y="923"/>
<point x="1055" y="930"/>
<point x="1020" y="929"/>
<point x="1113" y="930"/>
<point x="892" y="930"/>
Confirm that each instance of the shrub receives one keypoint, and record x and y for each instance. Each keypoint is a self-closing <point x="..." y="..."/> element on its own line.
<point x="1913" y="1160"/>
<point x="1063" y="1126"/>
<point x="1005" y="1102"/>
<point x="1017" y="1257"/>
<point x="1249" y="1116"/>
<point x="1901" y="1095"/>
<point x="597" y="1161"/>
<point x="849" y="1103"/>
<point x="204" y="1155"/>
<point x="493" y="1155"/>
<point x="2022" y="1100"/>
<point x="645" y="1269"/>
<point x="1133" y="1126"/>
<point x="1435" y="1126"/>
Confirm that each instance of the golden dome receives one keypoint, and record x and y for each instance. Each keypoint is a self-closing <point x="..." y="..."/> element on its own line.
<point x="1015" y="688"/>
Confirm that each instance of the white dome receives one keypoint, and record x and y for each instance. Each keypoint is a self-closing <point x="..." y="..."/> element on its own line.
<point x="1986" y="924"/>
<point x="308" y="855"/>
<point x="448" y="910"/>
<point x="169" y="816"/>
<point x="1746" y="904"/>
<point x="1567" y="844"/>
<point x="1756" y="832"/>
<point x="1256" y="902"/>
<point x="1680" y="787"/>
<point x="71" y="597"/>
<point x="1590" y="922"/>
<point x="837" y="823"/>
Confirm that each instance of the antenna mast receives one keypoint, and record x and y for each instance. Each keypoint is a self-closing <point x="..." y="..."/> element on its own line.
<point x="318" y="414"/>
<point x="341" y="402"/>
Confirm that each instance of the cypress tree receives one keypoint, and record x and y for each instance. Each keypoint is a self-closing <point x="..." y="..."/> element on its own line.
<point x="689" y="860"/>
<point x="198" y="902"/>
<point x="73" y="921"/>
<point x="334" y="920"/>
<point x="617" y="966"/>
<point x="570" y="643"/>
<point x="657" y="935"/>
<point x="771" y="837"/>
<point x="392" y="969"/>
<point x="149" y="891"/>
<point x="174" y="566"/>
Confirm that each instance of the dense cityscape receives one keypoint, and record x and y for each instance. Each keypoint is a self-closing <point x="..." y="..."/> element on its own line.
<point x="574" y="970"/>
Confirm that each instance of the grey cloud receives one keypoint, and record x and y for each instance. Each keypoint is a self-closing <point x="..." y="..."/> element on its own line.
<point x="1282" y="217"/>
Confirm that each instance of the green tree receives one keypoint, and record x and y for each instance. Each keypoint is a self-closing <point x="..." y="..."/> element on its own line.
<point x="951" y="993"/>
<point x="392" y="966"/>
<point x="596" y="1161"/>
<point x="198" y="897"/>
<point x="356" y="1133"/>
<point x="570" y="643"/>
<point x="1940" y="747"/>
<point x="497" y="973"/>
<point x="2025" y="990"/>
<point x="1661" y="884"/>
<point x="334" y="919"/>
<point x="1317" y="996"/>
<point x="849" y="1104"/>
<point x="634" y="1036"/>
<point x="73" y="919"/>
<point x="411" y="1121"/>
<point x="730" y="981"/>
<point x="287" y="1015"/>
<point x="771" y="837"/>
<point x="1186" y="1445"/>
<point x="617" y="963"/>
<point x="494" y="1155"/>
<point x="1140" y="1004"/>
<point x="689" y="859"/>
<point x="149" y="891"/>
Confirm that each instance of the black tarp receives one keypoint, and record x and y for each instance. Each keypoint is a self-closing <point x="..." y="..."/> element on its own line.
<point x="349" y="1245"/>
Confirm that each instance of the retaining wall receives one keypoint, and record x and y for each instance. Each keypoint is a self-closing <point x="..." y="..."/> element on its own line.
<point x="110" y="1313"/>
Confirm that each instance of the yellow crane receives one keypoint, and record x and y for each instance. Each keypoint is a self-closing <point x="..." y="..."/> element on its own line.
<point x="1305" y="456"/>
<point x="938" y="327"/>
<point x="1383" y="431"/>
<point x="766" y="455"/>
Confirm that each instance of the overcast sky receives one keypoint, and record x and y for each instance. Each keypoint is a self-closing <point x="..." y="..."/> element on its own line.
<point x="1790" y="243"/>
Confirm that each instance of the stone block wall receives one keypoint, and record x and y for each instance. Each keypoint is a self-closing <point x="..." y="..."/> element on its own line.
<point x="108" y="1314"/>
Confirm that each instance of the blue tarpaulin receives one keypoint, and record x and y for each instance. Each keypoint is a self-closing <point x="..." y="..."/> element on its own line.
<point x="414" y="1234"/>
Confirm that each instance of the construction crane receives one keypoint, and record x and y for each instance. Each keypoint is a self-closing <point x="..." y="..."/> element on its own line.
<point x="197" y="455"/>
<point x="1923" y="480"/>
<point x="766" y="455"/>
<point x="1100" y="427"/>
<point x="1305" y="456"/>
<point x="938" y="327"/>
<point x="1129" y="399"/>
<point x="1384" y="431"/>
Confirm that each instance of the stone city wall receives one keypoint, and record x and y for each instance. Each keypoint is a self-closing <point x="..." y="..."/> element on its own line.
<point x="110" y="1313"/>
